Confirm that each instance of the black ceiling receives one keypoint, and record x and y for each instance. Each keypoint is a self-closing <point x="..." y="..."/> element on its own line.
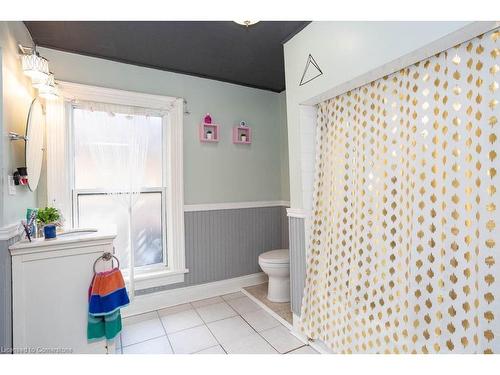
<point x="221" y="50"/>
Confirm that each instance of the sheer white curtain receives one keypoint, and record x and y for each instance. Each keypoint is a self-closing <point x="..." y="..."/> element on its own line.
<point x="58" y="191"/>
<point x="114" y="138"/>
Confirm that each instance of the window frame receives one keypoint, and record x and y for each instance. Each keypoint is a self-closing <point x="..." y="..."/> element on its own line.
<point x="172" y="188"/>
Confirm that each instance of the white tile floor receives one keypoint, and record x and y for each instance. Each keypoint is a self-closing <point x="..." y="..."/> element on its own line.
<point x="232" y="324"/>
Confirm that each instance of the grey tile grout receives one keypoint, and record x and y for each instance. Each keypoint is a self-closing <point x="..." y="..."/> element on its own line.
<point x="300" y="347"/>
<point x="136" y="315"/>
<point x="203" y="322"/>
<point x="217" y="320"/>
<point x="185" y="329"/>
<point x="206" y="325"/>
<point x="232" y="308"/>
<point x="291" y="350"/>
<point x="121" y="342"/>
<point x="208" y="304"/>
<point x="281" y="325"/>
<point x="230" y="294"/>
<point x="254" y="327"/>
<point x="165" y="330"/>
<point x="271" y="345"/>
<point x="210" y="347"/>
<point x="142" y="341"/>
<point x="180" y="312"/>
<point x="238" y="314"/>
<point x="264" y="330"/>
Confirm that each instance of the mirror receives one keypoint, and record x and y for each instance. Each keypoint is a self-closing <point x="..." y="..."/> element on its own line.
<point x="35" y="130"/>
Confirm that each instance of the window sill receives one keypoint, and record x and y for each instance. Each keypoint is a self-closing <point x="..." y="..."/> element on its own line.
<point x="162" y="277"/>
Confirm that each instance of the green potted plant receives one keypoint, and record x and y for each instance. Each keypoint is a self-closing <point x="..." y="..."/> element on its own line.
<point x="49" y="218"/>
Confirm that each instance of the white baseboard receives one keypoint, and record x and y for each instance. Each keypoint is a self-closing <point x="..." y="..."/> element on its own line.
<point x="154" y="301"/>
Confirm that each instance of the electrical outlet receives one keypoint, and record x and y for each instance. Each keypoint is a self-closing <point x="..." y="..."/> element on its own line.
<point x="12" y="186"/>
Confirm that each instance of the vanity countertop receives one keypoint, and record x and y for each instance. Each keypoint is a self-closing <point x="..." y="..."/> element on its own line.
<point x="61" y="242"/>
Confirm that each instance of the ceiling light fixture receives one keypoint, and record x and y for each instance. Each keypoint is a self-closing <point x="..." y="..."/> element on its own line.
<point x="246" y="23"/>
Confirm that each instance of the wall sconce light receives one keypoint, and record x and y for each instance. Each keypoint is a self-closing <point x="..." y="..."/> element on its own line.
<point x="48" y="89"/>
<point x="34" y="66"/>
<point x="37" y="68"/>
<point x="44" y="82"/>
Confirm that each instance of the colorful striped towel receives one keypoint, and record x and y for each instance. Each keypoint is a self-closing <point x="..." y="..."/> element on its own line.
<point x="107" y="295"/>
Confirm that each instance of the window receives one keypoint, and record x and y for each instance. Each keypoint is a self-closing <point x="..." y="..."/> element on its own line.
<point x="157" y="215"/>
<point x="93" y="207"/>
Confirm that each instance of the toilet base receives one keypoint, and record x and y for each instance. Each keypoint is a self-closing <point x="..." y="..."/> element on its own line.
<point x="278" y="289"/>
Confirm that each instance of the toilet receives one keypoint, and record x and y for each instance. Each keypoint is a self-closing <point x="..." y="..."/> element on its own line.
<point x="276" y="264"/>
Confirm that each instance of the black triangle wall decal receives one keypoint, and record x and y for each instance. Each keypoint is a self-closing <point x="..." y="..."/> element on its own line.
<point x="311" y="71"/>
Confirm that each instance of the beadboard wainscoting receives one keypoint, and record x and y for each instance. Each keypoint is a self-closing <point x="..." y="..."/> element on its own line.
<point x="6" y="295"/>
<point x="221" y="244"/>
<point x="297" y="260"/>
<point x="226" y="243"/>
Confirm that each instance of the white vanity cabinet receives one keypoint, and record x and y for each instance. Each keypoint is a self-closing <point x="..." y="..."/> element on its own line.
<point x="50" y="282"/>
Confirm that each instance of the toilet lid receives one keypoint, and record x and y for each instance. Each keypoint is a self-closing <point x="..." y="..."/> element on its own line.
<point x="276" y="256"/>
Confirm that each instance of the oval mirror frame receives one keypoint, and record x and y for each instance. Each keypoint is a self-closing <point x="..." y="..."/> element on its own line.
<point x="35" y="136"/>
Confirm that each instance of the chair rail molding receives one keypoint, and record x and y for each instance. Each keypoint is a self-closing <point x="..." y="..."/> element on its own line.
<point x="9" y="231"/>
<point x="233" y="205"/>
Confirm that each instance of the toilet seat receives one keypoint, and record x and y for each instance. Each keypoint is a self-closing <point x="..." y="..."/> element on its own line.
<point x="281" y="256"/>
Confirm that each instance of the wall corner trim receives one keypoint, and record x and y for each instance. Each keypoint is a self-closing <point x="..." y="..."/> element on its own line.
<point x="300" y="213"/>
<point x="9" y="231"/>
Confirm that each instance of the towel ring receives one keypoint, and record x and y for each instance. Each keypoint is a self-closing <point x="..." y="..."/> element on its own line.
<point x="107" y="256"/>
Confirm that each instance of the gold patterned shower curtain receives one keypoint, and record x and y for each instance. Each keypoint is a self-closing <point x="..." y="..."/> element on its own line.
<point x="403" y="253"/>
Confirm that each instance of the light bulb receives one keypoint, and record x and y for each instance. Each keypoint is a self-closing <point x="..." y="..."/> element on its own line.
<point x="246" y="23"/>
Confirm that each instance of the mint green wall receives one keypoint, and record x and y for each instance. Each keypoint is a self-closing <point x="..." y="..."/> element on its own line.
<point x="2" y="131"/>
<point x="15" y="98"/>
<point x="344" y="50"/>
<point x="213" y="173"/>
<point x="285" y="176"/>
